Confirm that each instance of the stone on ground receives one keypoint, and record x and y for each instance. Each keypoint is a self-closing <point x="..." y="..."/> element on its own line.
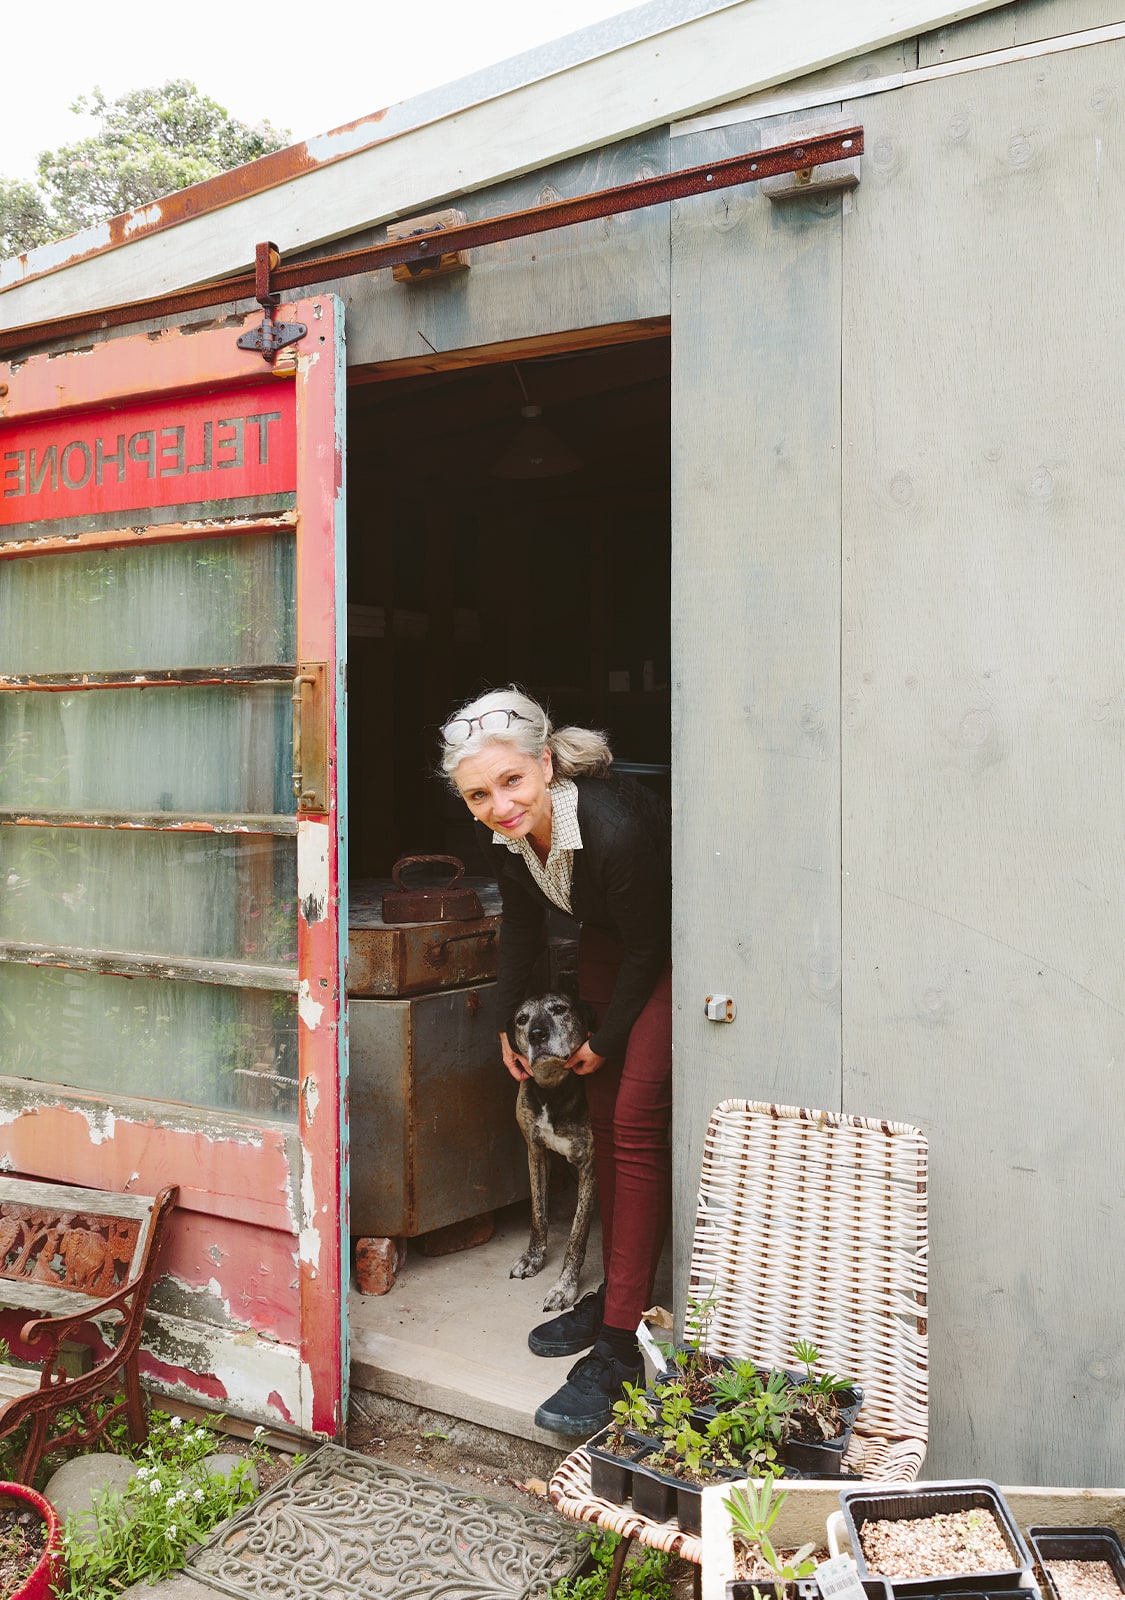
<point x="177" y="1587"/>
<point x="73" y="1489"/>
<point x="224" y="1462"/>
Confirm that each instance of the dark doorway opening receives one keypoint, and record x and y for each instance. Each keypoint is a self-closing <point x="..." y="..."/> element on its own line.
<point x="460" y="579"/>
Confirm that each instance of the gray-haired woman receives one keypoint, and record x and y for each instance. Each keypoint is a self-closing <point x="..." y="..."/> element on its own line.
<point x="564" y="830"/>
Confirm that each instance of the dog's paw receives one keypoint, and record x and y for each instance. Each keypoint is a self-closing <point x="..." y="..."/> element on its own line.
<point x="528" y="1265"/>
<point x="564" y="1294"/>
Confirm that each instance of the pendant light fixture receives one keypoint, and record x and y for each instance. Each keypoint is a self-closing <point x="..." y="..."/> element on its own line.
<point x="535" y="451"/>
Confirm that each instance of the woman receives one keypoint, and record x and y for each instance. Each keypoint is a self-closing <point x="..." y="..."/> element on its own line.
<point x="564" y="830"/>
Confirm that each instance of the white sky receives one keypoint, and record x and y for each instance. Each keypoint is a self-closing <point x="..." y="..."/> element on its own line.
<point x="304" y="66"/>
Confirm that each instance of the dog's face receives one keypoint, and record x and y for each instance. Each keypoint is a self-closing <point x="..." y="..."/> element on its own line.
<point x="547" y="1030"/>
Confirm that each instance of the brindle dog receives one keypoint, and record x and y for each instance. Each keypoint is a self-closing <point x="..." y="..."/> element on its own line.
<point x="551" y="1111"/>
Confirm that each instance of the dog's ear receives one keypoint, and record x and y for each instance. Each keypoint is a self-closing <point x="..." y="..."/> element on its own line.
<point x="588" y="1015"/>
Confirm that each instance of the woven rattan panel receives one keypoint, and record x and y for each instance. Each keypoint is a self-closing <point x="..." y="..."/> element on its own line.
<point x="343" y="1525"/>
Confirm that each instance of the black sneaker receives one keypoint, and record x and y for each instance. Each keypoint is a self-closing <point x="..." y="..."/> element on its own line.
<point x="574" y="1330"/>
<point x="585" y="1402"/>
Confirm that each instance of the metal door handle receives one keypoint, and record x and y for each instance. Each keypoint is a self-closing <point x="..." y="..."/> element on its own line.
<point x="310" y="765"/>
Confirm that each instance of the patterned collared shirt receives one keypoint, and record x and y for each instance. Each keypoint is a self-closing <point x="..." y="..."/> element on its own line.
<point x="555" y="875"/>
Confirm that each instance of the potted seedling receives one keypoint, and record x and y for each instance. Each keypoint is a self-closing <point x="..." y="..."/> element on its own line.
<point x="689" y="1363"/>
<point x="669" y="1479"/>
<point x="775" y="1575"/>
<point x="30" y="1538"/>
<point x="613" y="1451"/>
<point x="758" y="1404"/>
<point x="821" y="1417"/>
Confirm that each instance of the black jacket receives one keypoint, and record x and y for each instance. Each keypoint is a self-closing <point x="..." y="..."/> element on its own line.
<point x="622" y="885"/>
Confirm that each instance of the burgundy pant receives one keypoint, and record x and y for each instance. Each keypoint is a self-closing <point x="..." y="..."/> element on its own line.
<point x="630" y="1102"/>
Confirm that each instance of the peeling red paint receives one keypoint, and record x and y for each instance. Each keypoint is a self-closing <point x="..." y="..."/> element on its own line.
<point x="202" y="1383"/>
<point x="246" y="1181"/>
<point x="253" y="1274"/>
<point x="279" y="1406"/>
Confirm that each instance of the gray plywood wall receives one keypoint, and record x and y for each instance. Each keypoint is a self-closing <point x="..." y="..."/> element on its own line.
<point x="611" y="270"/>
<point x="983" y="743"/>
<point x="899" y="476"/>
<point x="755" y="652"/>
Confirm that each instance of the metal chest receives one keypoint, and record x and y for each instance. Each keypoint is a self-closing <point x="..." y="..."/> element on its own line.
<point x="434" y="1138"/>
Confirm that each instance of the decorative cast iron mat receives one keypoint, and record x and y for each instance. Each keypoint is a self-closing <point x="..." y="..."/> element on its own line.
<point x="342" y="1525"/>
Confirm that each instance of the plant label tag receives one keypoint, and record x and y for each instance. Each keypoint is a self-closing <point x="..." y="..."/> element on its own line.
<point x="838" y="1579"/>
<point x="649" y="1345"/>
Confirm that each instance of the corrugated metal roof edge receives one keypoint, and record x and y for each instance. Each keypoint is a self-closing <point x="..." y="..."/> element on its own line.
<point x="269" y="172"/>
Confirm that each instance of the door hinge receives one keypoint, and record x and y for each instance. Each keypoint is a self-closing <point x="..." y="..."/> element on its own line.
<point x="269" y="336"/>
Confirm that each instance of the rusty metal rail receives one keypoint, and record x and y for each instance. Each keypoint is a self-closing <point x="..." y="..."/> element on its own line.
<point x="420" y="249"/>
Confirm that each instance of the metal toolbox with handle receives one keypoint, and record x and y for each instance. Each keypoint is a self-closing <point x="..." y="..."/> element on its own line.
<point x="390" y="957"/>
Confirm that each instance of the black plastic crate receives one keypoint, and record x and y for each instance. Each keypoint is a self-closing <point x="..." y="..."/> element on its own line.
<point x="861" y="1506"/>
<point x="1078" y="1544"/>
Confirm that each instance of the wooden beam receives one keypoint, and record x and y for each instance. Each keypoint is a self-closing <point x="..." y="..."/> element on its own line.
<point x="552" y="344"/>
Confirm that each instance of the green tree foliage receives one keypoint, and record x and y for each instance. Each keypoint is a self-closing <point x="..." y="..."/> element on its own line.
<point x="24" y="218"/>
<point x="148" y="143"/>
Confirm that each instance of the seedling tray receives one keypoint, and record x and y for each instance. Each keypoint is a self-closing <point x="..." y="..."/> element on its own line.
<point x="662" y="1496"/>
<point x="611" y="1476"/>
<point x="861" y="1506"/>
<point x="799" y="1589"/>
<point x="1078" y="1544"/>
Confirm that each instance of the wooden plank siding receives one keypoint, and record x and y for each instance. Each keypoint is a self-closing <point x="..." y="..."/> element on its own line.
<point x="982" y="744"/>
<point x="1022" y="22"/>
<point x="755" y="653"/>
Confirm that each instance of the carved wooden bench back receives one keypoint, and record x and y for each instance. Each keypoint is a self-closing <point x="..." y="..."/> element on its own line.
<point x="61" y="1247"/>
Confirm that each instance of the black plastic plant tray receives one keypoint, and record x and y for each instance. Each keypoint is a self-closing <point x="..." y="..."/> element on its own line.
<point x="611" y="1476"/>
<point x="800" y="1589"/>
<point x="968" y="1593"/>
<point x="1078" y="1544"/>
<point x="861" y="1506"/>
<point x="664" y="1497"/>
<point x="654" y="1493"/>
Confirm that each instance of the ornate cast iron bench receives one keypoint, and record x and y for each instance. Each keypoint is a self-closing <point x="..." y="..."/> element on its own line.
<point x="75" y="1256"/>
<point x="809" y="1225"/>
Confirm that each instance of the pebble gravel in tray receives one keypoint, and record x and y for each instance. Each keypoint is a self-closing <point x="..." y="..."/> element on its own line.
<point x="937" y="1546"/>
<point x="1084" y="1580"/>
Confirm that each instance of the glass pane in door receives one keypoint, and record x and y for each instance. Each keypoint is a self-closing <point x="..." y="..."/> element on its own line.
<point x="199" y="603"/>
<point x="199" y="1043"/>
<point x="214" y="749"/>
<point x="206" y="896"/>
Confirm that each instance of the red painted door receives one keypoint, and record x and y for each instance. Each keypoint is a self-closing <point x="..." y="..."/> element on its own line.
<point x="171" y="925"/>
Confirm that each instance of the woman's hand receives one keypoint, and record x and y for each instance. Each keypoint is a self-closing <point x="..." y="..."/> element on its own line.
<point x="515" y="1064"/>
<point x="584" y="1061"/>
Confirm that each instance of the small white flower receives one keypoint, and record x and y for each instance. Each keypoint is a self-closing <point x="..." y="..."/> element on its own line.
<point x="170" y="1533"/>
<point x="142" y="1472"/>
<point x="258" y="1431"/>
<point x="197" y="1495"/>
<point x="176" y="1424"/>
<point x="200" y="1434"/>
<point x="156" y="1487"/>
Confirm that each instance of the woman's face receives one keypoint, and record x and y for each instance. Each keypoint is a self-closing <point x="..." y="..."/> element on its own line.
<point x="507" y="791"/>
